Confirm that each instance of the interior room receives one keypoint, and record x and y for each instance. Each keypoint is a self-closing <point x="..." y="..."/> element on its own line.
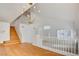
<point x="39" y="29"/>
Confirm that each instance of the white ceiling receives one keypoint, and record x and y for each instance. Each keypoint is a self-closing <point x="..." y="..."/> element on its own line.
<point x="10" y="11"/>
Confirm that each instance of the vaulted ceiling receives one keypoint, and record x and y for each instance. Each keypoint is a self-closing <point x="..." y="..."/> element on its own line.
<point x="10" y="11"/>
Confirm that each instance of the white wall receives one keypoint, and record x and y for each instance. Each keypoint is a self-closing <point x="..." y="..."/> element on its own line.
<point x="4" y="31"/>
<point x="27" y="33"/>
<point x="57" y="15"/>
<point x="76" y="22"/>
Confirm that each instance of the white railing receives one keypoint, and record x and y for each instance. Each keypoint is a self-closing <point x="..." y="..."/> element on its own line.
<point x="67" y="46"/>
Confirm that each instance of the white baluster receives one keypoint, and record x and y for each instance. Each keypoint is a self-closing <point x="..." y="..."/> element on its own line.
<point x="55" y="44"/>
<point x="74" y="47"/>
<point x="58" y="44"/>
<point x="63" y="46"/>
<point x="71" y="46"/>
<point x="68" y="46"/>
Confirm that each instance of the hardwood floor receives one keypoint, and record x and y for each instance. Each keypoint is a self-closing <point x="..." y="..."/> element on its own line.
<point x="24" y="49"/>
<point x="12" y="48"/>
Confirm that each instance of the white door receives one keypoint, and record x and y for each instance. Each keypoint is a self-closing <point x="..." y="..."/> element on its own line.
<point x="26" y="33"/>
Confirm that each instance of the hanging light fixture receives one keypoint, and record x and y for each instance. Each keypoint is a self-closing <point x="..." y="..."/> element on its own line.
<point x="29" y="17"/>
<point x="29" y="14"/>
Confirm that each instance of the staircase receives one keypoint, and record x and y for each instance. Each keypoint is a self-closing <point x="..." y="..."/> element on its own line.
<point x="13" y="37"/>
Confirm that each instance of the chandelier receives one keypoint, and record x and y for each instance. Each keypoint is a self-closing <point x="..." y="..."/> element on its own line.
<point x="29" y="14"/>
